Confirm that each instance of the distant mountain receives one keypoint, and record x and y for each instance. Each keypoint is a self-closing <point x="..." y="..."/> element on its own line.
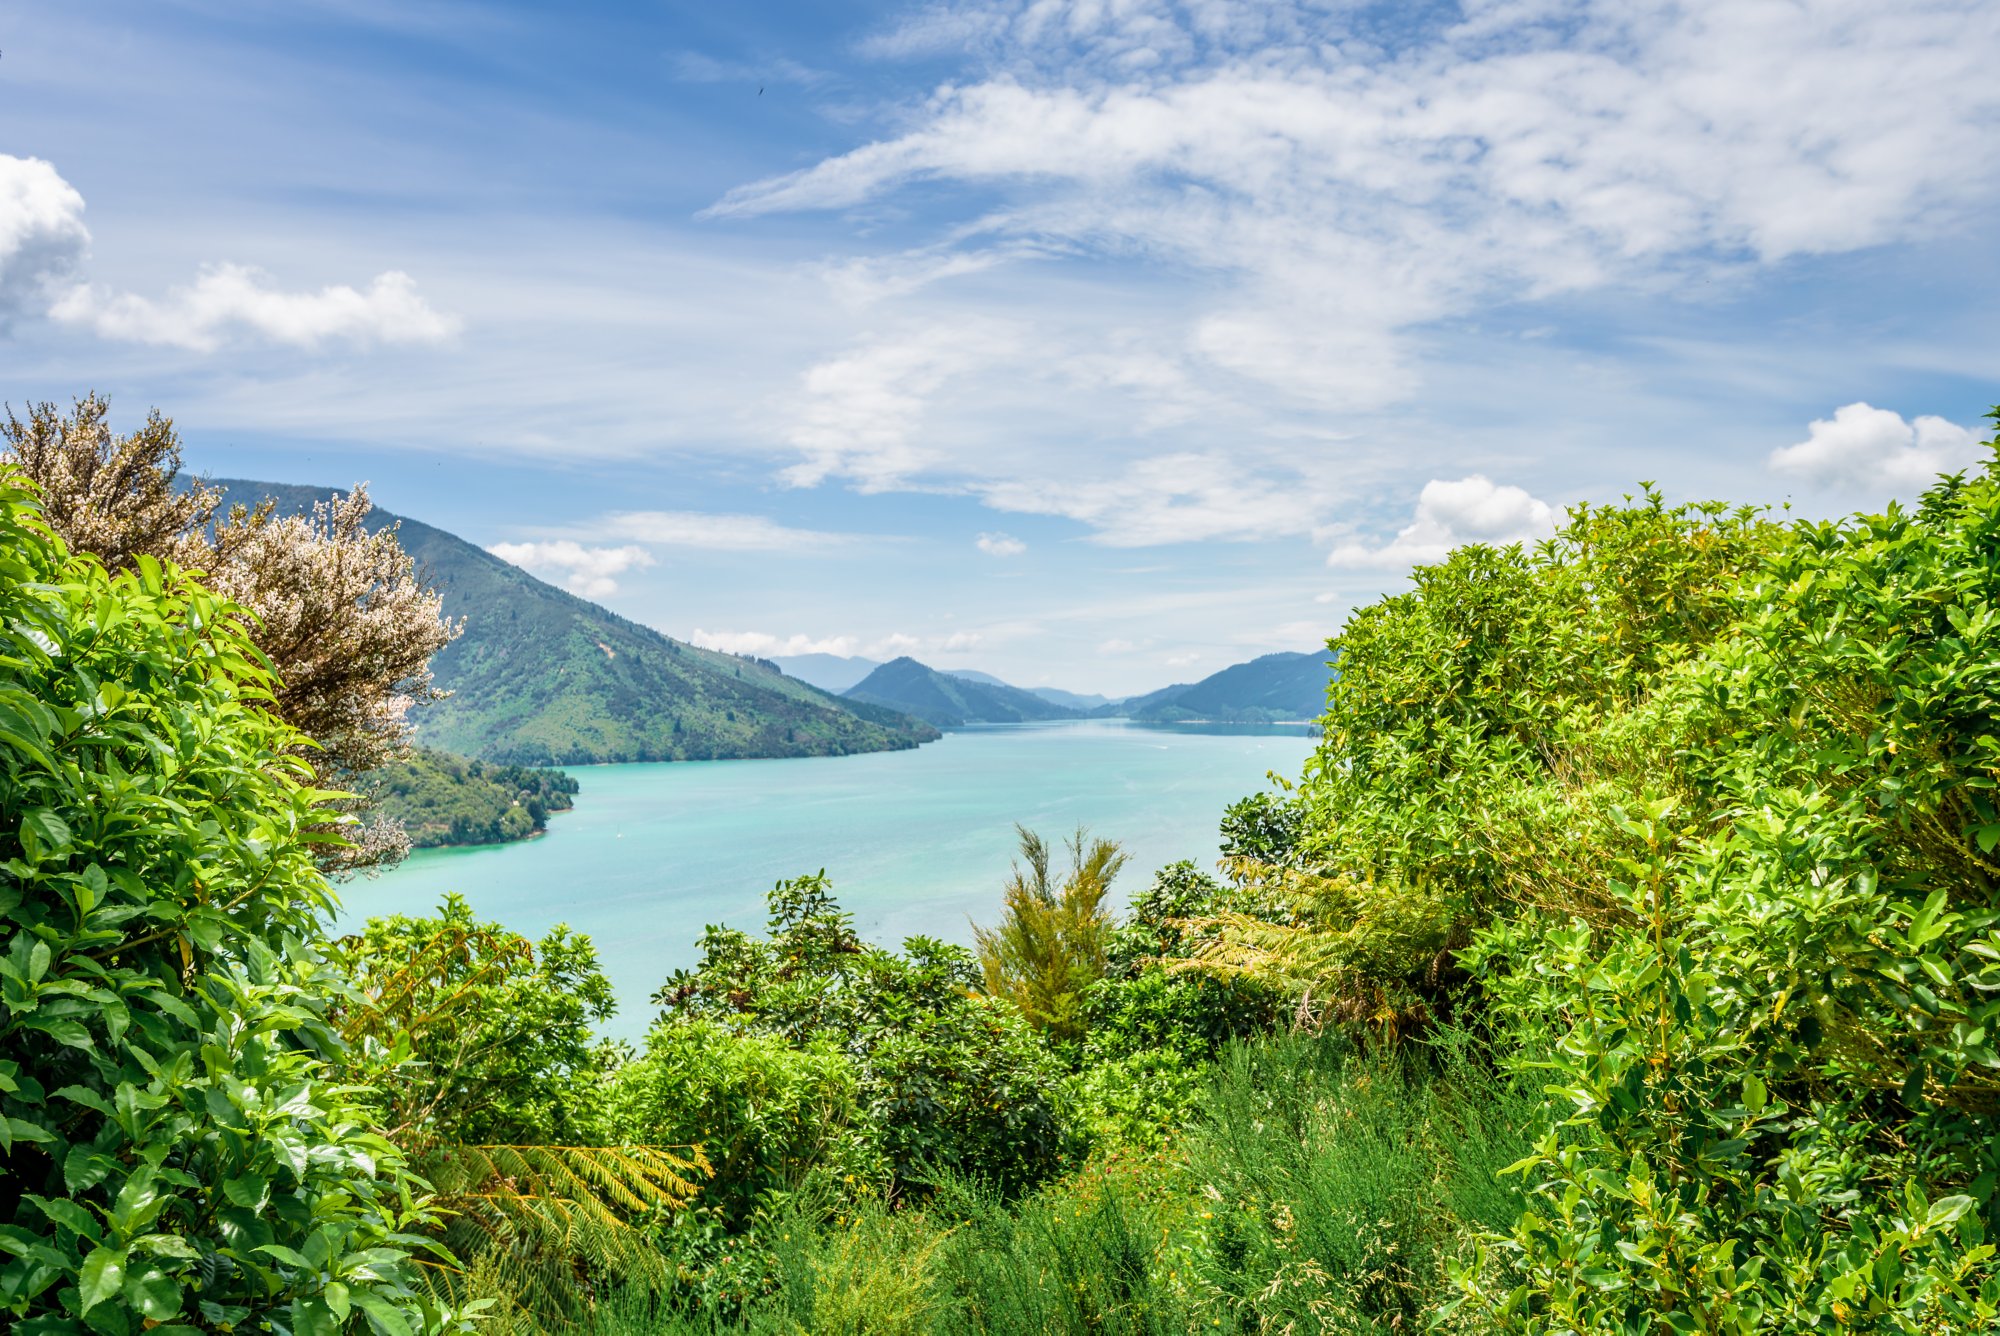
<point x="828" y="672"/>
<point x="542" y="677"/>
<point x="1272" y="689"/>
<point x="948" y="699"/>
<point x="1074" y="700"/>
<point x="1053" y="695"/>
<point x="1134" y="707"/>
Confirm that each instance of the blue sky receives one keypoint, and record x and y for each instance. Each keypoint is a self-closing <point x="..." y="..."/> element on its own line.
<point x="1097" y="343"/>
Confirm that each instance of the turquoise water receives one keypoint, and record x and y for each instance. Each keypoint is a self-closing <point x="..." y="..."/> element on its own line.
<point x="915" y="841"/>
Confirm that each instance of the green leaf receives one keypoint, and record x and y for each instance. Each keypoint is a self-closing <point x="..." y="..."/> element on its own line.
<point x="70" y="1215"/>
<point x="289" y="1256"/>
<point x="102" y="1275"/>
<point x="67" y="1032"/>
<point x="247" y="1190"/>
<point x="1755" y="1096"/>
<point x="386" y="1318"/>
<point x="43" y="834"/>
<point x="154" y="1293"/>
<point x="1947" y="1210"/>
<point x="312" y="1317"/>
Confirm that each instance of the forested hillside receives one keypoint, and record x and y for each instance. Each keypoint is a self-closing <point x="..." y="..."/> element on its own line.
<point x="441" y="799"/>
<point x="1277" y="688"/>
<point x="542" y="677"/>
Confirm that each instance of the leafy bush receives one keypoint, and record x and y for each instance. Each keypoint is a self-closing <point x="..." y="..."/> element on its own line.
<point x="949" y="1081"/>
<point x="1777" y="1062"/>
<point x="766" y="1113"/>
<point x="474" y="1033"/>
<point x="177" y="1152"/>
<point x="1152" y="1031"/>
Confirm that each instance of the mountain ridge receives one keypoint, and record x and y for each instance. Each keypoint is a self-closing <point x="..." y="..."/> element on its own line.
<point x="543" y="677"/>
<point x="952" y="700"/>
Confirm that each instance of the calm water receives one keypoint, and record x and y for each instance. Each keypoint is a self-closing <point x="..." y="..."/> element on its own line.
<point x="915" y="842"/>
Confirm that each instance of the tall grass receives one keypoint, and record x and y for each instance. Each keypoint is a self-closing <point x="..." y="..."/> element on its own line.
<point x="1337" y="1185"/>
<point x="1320" y="1190"/>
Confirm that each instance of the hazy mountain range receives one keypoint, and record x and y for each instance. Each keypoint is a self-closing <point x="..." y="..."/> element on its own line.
<point x="1276" y="688"/>
<point x="541" y="677"/>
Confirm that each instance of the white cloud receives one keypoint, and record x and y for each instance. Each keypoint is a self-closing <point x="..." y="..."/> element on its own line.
<point x="227" y="298"/>
<point x="1177" y="498"/>
<point x="765" y="646"/>
<point x="1000" y="545"/>
<point x="1874" y="447"/>
<point x="1116" y="646"/>
<point x="714" y="532"/>
<point x="42" y="235"/>
<point x="1452" y="514"/>
<point x="1342" y="195"/>
<point x="586" y="571"/>
<point x="862" y="411"/>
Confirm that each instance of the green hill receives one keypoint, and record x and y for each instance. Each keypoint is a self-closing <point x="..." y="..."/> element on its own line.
<point x="949" y="701"/>
<point x="1277" y="688"/>
<point x="443" y="799"/>
<point x="542" y="677"/>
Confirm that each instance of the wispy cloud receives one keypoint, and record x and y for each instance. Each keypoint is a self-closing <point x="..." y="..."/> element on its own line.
<point x="1000" y="545"/>
<point x="588" y="571"/>
<point x="1344" y="195"/>
<point x="232" y="298"/>
<point x="714" y="532"/>
<point x="764" y="645"/>
<point x="1178" y="498"/>
<point x="861" y="412"/>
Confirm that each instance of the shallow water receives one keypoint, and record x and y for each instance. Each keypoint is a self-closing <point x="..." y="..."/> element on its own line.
<point x="914" y="841"/>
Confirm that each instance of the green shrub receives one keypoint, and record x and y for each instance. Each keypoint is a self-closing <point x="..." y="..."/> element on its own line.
<point x="1776" y="1063"/>
<point x="949" y="1081"/>
<point x="177" y="1153"/>
<point x="767" y="1114"/>
<point x="475" y="1034"/>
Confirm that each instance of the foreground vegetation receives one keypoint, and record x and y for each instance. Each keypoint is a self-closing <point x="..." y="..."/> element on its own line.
<point x="1627" y="960"/>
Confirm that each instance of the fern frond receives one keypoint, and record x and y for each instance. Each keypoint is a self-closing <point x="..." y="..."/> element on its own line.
<point x="554" y="1223"/>
<point x="1365" y="947"/>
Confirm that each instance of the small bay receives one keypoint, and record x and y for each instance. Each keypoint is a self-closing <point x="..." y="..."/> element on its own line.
<point x="914" y="841"/>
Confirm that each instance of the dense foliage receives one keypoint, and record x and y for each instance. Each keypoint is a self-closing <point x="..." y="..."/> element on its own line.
<point x="481" y="1049"/>
<point x="176" y="1150"/>
<point x="440" y="799"/>
<point x="1627" y="960"/>
<point x="947" y="1080"/>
